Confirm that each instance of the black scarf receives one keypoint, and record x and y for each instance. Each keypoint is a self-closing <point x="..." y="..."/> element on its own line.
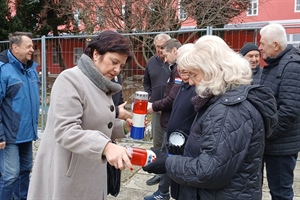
<point x="199" y="102"/>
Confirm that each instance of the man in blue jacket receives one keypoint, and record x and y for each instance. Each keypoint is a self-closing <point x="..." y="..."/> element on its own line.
<point x="282" y="75"/>
<point x="19" y="110"/>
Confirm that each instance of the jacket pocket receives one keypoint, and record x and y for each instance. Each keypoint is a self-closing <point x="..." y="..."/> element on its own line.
<point x="72" y="165"/>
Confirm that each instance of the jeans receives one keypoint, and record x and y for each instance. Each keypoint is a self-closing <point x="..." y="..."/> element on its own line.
<point x="15" y="166"/>
<point x="280" y="175"/>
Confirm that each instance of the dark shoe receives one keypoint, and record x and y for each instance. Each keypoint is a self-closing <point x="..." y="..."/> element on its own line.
<point x="158" y="196"/>
<point x="154" y="180"/>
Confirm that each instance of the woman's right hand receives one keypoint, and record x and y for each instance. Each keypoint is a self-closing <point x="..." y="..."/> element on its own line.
<point x="117" y="156"/>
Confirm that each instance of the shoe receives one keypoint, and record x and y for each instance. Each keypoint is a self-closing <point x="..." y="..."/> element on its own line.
<point x="158" y="196"/>
<point x="154" y="180"/>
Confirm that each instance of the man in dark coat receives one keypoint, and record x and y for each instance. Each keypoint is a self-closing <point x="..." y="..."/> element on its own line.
<point x="156" y="76"/>
<point x="252" y="54"/>
<point x="282" y="75"/>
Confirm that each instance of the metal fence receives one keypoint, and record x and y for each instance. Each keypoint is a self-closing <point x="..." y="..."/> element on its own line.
<point x="55" y="54"/>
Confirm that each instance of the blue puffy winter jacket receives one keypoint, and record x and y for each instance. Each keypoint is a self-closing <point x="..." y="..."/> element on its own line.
<point x="19" y="99"/>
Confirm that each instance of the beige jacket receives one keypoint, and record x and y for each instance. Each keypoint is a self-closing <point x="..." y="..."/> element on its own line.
<point x="81" y="121"/>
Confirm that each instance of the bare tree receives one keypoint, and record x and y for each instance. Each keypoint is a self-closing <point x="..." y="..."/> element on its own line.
<point x="131" y="16"/>
<point x="214" y="13"/>
<point x="57" y="17"/>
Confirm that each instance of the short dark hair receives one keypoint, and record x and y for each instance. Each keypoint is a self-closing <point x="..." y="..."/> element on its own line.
<point x="16" y="37"/>
<point x="109" y="41"/>
<point x="170" y="44"/>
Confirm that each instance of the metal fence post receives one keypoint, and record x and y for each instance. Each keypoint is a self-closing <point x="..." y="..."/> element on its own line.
<point x="209" y="30"/>
<point x="43" y="86"/>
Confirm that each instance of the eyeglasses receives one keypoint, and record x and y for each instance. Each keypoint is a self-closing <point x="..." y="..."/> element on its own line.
<point x="182" y="71"/>
<point x="193" y="76"/>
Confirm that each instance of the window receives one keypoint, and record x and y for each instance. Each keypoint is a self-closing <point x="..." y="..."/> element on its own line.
<point x="182" y="14"/>
<point x="76" y="16"/>
<point x="77" y="53"/>
<point x="253" y="9"/>
<point x="99" y="14"/>
<point x="294" y="39"/>
<point x="123" y="10"/>
<point x="151" y="7"/>
<point x="297" y="5"/>
<point x="54" y="56"/>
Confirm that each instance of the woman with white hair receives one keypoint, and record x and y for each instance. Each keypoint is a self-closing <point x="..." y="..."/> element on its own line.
<point x="223" y="155"/>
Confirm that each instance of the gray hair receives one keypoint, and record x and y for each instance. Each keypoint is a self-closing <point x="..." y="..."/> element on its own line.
<point x="223" y="68"/>
<point x="161" y="36"/>
<point x="16" y="37"/>
<point x="184" y="49"/>
<point x="275" y="33"/>
<point x="170" y="44"/>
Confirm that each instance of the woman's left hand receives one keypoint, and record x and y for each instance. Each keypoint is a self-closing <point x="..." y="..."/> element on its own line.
<point x="128" y="124"/>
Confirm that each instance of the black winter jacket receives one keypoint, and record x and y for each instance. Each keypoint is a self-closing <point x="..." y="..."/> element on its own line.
<point x="118" y="97"/>
<point x="222" y="159"/>
<point x="155" y="78"/>
<point x="256" y="74"/>
<point x="165" y="105"/>
<point x="282" y="75"/>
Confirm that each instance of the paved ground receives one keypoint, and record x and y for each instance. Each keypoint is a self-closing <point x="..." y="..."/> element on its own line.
<point x="133" y="184"/>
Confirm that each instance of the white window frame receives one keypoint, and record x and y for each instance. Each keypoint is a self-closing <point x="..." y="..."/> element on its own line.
<point x="77" y="54"/>
<point x="182" y="14"/>
<point x="297" y="5"/>
<point x="253" y="9"/>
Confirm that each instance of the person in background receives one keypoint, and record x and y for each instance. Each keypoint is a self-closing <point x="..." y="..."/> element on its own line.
<point x="282" y="75"/>
<point x="81" y="125"/>
<point x="222" y="158"/>
<point x="164" y="105"/>
<point x="156" y="75"/>
<point x="180" y="120"/>
<point x="19" y="112"/>
<point x="252" y="54"/>
<point x="119" y="103"/>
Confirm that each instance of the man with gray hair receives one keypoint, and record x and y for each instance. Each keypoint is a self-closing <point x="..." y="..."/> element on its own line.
<point x="282" y="75"/>
<point x="156" y="75"/>
<point x="19" y="111"/>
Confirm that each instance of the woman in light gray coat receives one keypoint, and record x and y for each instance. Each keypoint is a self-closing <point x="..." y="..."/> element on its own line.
<point x="81" y="125"/>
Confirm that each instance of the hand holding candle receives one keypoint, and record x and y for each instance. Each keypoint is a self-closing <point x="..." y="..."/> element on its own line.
<point x="138" y="116"/>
